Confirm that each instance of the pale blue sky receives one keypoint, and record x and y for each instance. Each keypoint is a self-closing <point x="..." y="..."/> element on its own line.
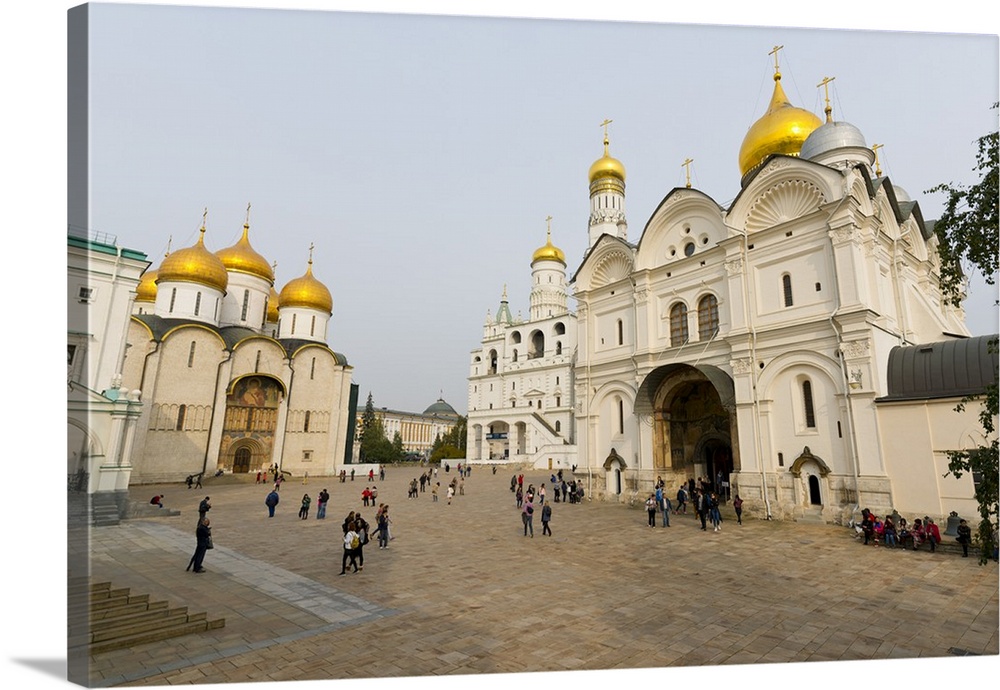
<point x="422" y="154"/>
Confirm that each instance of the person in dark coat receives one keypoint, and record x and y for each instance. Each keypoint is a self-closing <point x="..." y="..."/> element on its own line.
<point x="204" y="507"/>
<point x="271" y="501"/>
<point x="203" y="533"/>
<point x="964" y="537"/>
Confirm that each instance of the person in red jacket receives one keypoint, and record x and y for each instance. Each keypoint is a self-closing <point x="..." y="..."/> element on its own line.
<point x="932" y="533"/>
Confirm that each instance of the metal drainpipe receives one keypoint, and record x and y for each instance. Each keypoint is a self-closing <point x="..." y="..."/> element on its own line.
<point x="291" y="379"/>
<point x="748" y="313"/>
<point x="211" y="419"/>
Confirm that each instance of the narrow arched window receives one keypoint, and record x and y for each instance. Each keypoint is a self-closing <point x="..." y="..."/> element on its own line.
<point x="621" y="416"/>
<point x="246" y="305"/>
<point x="807" y="401"/>
<point x="173" y="298"/>
<point x="191" y="355"/>
<point x="678" y="324"/>
<point x="312" y="369"/>
<point x="708" y="317"/>
<point x="621" y="332"/>
<point x="263" y="319"/>
<point x="558" y="426"/>
<point x="293" y="323"/>
<point x="786" y="286"/>
<point x="312" y="326"/>
<point x="197" y="304"/>
<point x="256" y="363"/>
<point x="514" y="356"/>
<point x="181" y="411"/>
<point x="558" y="347"/>
<point x="305" y="422"/>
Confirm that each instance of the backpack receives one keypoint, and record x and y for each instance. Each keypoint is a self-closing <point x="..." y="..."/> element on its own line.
<point x="355" y="542"/>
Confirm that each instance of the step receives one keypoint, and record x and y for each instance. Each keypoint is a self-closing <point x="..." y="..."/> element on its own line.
<point x="156" y="609"/>
<point x="124" y="609"/>
<point x="109" y="594"/>
<point x="164" y="633"/>
<point x="161" y="620"/>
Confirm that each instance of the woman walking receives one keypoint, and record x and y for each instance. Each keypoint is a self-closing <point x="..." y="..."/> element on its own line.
<point x="651" y="510"/>
<point x="713" y="512"/>
<point x="351" y="544"/>
<point x="738" y="507"/>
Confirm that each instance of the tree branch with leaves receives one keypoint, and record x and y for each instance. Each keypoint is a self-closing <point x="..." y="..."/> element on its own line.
<point x="967" y="234"/>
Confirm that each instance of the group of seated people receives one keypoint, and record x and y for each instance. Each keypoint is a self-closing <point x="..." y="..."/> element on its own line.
<point x="884" y="531"/>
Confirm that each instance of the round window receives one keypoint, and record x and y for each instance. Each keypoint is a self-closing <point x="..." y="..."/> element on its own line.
<point x="689" y="249"/>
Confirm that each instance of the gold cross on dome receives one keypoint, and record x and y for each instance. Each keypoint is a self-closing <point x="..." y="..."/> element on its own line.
<point x="687" y="170"/>
<point x="548" y="222"/>
<point x="311" y="247"/>
<point x="774" y="52"/>
<point x="875" y="148"/>
<point x="248" y="214"/>
<point x="826" y="87"/>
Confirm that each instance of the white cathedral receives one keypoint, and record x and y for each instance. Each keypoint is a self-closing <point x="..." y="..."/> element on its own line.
<point x="795" y="345"/>
<point x="234" y="376"/>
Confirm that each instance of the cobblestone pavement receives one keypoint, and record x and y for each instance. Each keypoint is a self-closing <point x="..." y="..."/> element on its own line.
<point x="462" y="591"/>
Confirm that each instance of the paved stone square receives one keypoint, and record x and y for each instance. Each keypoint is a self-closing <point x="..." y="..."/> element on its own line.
<point x="462" y="591"/>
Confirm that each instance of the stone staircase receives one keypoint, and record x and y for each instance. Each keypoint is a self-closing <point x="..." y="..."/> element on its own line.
<point x="106" y="618"/>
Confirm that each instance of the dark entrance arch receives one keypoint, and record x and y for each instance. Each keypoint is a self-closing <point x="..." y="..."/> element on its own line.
<point x="814" y="497"/>
<point x="241" y="460"/>
<point x="694" y="421"/>
<point x="717" y="457"/>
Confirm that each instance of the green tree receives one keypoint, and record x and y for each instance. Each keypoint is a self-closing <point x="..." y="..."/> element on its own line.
<point x="397" y="447"/>
<point x="967" y="234"/>
<point x="375" y="447"/>
<point x="452" y="444"/>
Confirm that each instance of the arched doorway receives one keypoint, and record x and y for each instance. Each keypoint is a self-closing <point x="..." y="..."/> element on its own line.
<point x="814" y="497"/>
<point x="694" y="422"/>
<point x="809" y="470"/>
<point x="250" y="423"/>
<point x="241" y="460"/>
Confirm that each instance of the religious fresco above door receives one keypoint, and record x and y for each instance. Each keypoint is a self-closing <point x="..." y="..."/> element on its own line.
<point x="251" y="420"/>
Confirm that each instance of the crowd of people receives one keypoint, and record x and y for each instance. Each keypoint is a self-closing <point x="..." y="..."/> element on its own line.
<point x="898" y="533"/>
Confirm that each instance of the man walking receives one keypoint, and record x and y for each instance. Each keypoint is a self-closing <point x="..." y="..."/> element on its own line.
<point x="665" y="506"/>
<point x="203" y="509"/>
<point x="546" y="517"/>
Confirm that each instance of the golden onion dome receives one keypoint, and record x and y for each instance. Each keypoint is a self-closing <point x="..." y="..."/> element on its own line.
<point x="307" y="292"/>
<point x="549" y="252"/>
<point x="272" y="306"/>
<point x="606" y="166"/>
<point x="194" y="265"/>
<point x="241" y="258"/>
<point x="782" y="129"/>
<point x="146" y="290"/>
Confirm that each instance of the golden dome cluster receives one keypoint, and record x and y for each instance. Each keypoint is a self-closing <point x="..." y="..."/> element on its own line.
<point x="305" y="291"/>
<point x="194" y="265"/>
<point x="241" y="258"/>
<point x="782" y="130"/>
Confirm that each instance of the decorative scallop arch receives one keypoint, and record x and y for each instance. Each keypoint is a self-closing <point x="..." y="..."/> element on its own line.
<point x="611" y="268"/>
<point x="786" y="200"/>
